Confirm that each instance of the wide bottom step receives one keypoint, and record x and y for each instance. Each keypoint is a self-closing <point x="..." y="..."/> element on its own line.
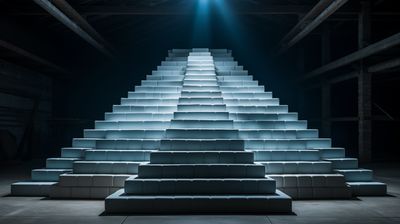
<point x="31" y="188"/>
<point x="121" y="203"/>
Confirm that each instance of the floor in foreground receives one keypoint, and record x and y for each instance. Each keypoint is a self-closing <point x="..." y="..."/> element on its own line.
<point x="363" y="210"/>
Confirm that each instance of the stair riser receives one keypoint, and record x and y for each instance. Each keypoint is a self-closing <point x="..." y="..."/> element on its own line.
<point x="201" y="115"/>
<point x="105" y="168"/>
<point x="280" y="117"/>
<point x="287" y="144"/>
<point x="261" y="109"/>
<point x="141" y="109"/>
<point x="116" y="155"/>
<point x="277" y="134"/>
<point x="209" y="187"/>
<point x="297" y="168"/>
<point x="201" y="157"/>
<point x="201" y="171"/>
<point x="124" y="134"/>
<point x="201" y="134"/>
<point x="138" y="117"/>
<point x="294" y="155"/>
<point x="192" y="145"/>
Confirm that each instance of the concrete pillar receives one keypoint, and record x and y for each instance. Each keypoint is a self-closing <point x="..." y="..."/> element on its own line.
<point x="325" y="86"/>
<point x="364" y="115"/>
<point x="325" y="44"/>
<point x="364" y="88"/>
<point x="325" y="109"/>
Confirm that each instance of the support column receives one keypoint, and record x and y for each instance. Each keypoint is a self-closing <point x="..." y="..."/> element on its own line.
<point x="364" y="115"/>
<point x="325" y="109"/>
<point x="364" y="88"/>
<point x="326" y="86"/>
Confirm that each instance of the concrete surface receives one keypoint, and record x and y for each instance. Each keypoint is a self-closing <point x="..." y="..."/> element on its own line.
<point x="363" y="210"/>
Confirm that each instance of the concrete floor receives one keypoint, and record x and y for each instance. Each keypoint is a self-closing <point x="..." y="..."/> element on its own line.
<point x="363" y="210"/>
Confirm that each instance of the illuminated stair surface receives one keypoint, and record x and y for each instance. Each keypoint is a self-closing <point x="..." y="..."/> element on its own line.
<point x="200" y="134"/>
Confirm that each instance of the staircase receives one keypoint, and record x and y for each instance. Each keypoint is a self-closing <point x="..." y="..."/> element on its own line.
<point x="200" y="135"/>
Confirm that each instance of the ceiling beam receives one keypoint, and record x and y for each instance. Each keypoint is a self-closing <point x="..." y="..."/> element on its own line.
<point x="375" y="48"/>
<point x="69" y="11"/>
<point x="32" y="57"/>
<point x="60" y="16"/>
<point x="390" y="64"/>
<point x="314" y="18"/>
<point x="317" y="9"/>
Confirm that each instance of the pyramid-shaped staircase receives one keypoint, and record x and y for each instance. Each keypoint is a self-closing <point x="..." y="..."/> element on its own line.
<point x="200" y="135"/>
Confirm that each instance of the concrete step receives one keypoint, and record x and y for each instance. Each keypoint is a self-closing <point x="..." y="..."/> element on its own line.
<point x="31" y="188"/>
<point x="331" y="153"/>
<point x="233" y="78"/>
<point x="201" y="144"/>
<point x="47" y="175"/>
<point x="148" y="102"/>
<point x="344" y="163"/>
<point x="176" y="59"/>
<point x="296" y="167"/>
<point x="264" y="116"/>
<point x="69" y="152"/>
<point x="257" y="144"/>
<point x="247" y="95"/>
<point x="93" y="180"/>
<point x="129" y="125"/>
<point x="230" y="89"/>
<point x="157" y="89"/>
<point x="368" y="188"/>
<point x="200" y="186"/>
<point x="201" y="134"/>
<point x="169" y="77"/>
<point x="229" y="67"/>
<point x="238" y="83"/>
<point x="277" y="134"/>
<point x="166" y="73"/>
<point x="232" y="73"/>
<point x="174" y="63"/>
<point x="201" y="124"/>
<point x="200" y="93"/>
<point x="308" y="180"/>
<point x="269" y="124"/>
<point x="201" y="171"/>
<point x="201" y="115"/>
<point x="162" y="83"/>
<point x="193" y="81"/>
<point x="134" y="116"/>
<point x="356" y="175"/>
<point x="258" y="109"/>
<point x="106" y="167"/>
<point x="60" y="163"/>
<point x="124" y="134"/>
<point x="78" y="192"/>
<point x="151" y="109"/>
<point x="201" y="108"/>
<point x="286" y="155"/>
<point x="201" y="100"/>
<point x="200" y="87"/>
<point x="117" y="155"/>
<point x="225" y="63"/>
<point x="135" y="95"/>
<point x="171" y="67"/>
<point x="201" y="157"/>
<point x="252" y="102"/>
<point x="313" y="186"/>
<point x="122" y="203"/>
<point x="121" y="144"/>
